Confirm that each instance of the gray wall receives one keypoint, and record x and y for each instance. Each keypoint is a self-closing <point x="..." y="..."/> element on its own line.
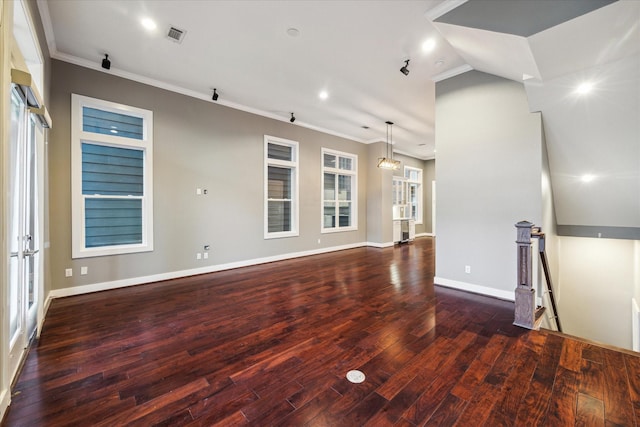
<point x="196" y="144"/>
<point x="379" y="202"/>
<point x="488" y="178"/>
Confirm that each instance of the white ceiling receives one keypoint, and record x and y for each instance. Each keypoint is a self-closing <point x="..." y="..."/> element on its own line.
<point x="351" y="49"/>
<point x="354" y="50"/>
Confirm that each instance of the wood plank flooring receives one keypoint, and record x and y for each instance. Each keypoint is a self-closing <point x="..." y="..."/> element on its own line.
<point x="271" y="344"/>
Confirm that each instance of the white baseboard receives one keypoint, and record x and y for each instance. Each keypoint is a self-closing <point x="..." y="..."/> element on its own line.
<point x="5" y="400"/>
<point x="476" y="289"/>
<point x="380" y="245"/>
<point x="635" y="325"/>
<point x="104" y="286"/>
<point x="425" y="235"/>
<point x="45" y="310"/>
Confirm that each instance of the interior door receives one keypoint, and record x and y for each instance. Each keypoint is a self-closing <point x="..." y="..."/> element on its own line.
<point x="24" y="230"/>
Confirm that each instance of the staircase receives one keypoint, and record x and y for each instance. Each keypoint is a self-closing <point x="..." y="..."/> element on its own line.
<point x="527" y="313"/>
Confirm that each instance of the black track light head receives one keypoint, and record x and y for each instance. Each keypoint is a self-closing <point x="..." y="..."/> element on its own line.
<point x="215" y="95"/>
<point x="404" y="70"/>
<point x="106" y="64"/>
<point x="293" y="118"/>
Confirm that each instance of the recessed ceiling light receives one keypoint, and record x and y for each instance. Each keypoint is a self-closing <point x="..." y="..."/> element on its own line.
<point x="428" y="45"/>
<point x="421" y="145"/>
<point x="587" y="177"/>
<point x="293" y="32"/>
<point x="148" y="24"/>
<point x="584" y="88"/>
<point x="323" y="95"/>
<point x="365" y="127"/>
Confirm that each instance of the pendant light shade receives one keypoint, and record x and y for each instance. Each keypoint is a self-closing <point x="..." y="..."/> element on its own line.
<point x="387" y="162"/>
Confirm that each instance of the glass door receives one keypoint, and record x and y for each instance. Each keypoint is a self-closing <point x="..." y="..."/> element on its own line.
<point x="24" y="236"/>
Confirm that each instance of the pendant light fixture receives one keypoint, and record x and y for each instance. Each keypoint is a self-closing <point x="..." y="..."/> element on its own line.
<point x="387" y="161"/>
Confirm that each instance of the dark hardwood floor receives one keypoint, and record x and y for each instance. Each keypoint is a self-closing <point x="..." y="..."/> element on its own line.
<point x="271" y="344"/>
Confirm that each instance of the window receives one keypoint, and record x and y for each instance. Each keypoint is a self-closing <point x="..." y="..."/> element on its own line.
<point x="414" y="192"/>
<point x="111" y="178"/>
<point x="339" y="191"/>
<point x="281" y="187"/>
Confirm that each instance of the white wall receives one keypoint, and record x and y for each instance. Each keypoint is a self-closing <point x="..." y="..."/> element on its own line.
<point x="597" y="284"/>
<point x="597" y="134"/>
<point x="489" y="178"/>
<point x="551" y="237"/>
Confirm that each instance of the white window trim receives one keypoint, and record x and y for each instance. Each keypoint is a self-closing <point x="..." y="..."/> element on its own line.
<point x="420" y="213"/>
<point x="354" y="190"/>
<point x="294" y="166"/>
<point x="78" y="249"/>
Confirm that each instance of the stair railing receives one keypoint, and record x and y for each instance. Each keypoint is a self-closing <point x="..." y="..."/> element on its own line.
<point x="527" y="313"/>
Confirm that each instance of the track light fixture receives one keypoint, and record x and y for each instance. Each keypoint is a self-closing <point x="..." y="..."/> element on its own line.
<point x="106" y="64"/>
<point x="215" y="95"/>
<point x="404" y="70"/>
<point x="293" y="118"/>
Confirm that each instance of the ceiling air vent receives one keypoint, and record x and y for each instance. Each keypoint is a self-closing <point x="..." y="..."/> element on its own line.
<point x="175" y="34"/>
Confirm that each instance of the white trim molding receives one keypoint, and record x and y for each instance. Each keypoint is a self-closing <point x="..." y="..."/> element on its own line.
<point x="5" y="401"/>
<point x="476" y="289"/>
<point x="380" y="245"/>
<point x="425" y="235"/>
<point x="635" y="325"/>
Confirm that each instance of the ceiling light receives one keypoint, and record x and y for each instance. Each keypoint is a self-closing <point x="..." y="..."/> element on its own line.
<point x="148" y="24"/>
<point x="215" y="95"/>
<point x="293" y="32"/>
<point x="584" y="88"/>
<point x="404" y="70"/>
<point x="293" y="118"/>
<point x="387" y="161"/>
<point x="323" y="95"/>
<point x="587" y="178"/>
<point x="428" y="45"/>
<point x="106" y="64"/>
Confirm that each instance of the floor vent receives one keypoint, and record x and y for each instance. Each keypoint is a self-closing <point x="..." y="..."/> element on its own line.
<point x="176" y="34"/>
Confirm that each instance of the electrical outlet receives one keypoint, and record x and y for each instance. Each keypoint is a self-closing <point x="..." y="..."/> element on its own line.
<point x="467" y="269"/>
<point x="84" y="271"/>
<point x="206" y="255"/>
<point x="198" y="255"/>
<point x="198" y="191"/>
<point x="68" y="272"/>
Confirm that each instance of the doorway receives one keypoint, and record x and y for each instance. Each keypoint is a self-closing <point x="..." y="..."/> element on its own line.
<point x="24" y="234"/>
